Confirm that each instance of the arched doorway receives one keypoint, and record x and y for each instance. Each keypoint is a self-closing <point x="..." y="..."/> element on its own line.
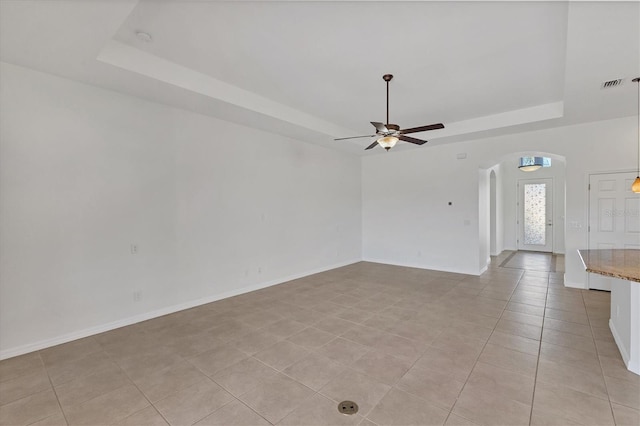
<point x="503" y="199"/>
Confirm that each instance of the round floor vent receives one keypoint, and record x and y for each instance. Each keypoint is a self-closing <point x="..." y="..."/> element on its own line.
<point x="348" y="407"/>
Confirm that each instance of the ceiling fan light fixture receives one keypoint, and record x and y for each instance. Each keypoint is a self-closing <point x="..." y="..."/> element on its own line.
<point x="388" y="142"/>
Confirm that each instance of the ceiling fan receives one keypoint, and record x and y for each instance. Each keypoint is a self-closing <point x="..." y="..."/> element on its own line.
<point x="391" y="133"/>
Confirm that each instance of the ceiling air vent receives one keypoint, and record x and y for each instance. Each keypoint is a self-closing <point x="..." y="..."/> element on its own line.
<point x="612" y="83"/>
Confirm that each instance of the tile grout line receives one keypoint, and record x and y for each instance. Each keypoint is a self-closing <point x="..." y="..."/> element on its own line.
<point x="391" y="386"/>
<point x="598" y="355"/>
<point x="597" y="311"/>
<point x="507" y="259"/>
<point x="280" y="372"/>
<point x="139" y="390"/>
<point x="277" y="372"/>
<point x="144" y="396"/>
<point x="283" y="373"/>
<point x="223" y="388"/>
<point x="53" y="388"/>
<point x="535" y="377"/>
<point x="237" y="398"/>
<point x="482" y="350"/>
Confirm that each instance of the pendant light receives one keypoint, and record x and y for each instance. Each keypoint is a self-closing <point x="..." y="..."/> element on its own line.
<point x="530" y="164"/>
<point x="635" y="187"/>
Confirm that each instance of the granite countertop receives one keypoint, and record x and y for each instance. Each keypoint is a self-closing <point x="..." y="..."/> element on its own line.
<point x="617" y="263"/>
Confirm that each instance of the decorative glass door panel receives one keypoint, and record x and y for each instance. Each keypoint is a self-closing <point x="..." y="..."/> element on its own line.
<point x="535" y="215"/>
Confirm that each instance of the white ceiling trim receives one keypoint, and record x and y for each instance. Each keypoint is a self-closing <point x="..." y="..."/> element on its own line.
<point x="498" y="121"/>
<point x="135" y="60"/>
<point x="129" y="58"/>
<point x="453" y="78"/>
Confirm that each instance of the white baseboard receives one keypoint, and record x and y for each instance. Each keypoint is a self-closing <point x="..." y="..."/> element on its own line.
<point x="618" y="339"/>
<point x="79" y="334"/>
<point x="574" y="284"/>
<point x="420" y="266"/>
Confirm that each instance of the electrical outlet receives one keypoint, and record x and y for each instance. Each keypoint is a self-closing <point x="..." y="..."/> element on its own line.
<point x="617" y="311"/>
<point x="134" y="249"/>
<point x="137" y="296"/>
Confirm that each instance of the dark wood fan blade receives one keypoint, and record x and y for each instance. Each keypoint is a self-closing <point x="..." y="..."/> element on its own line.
<point x="412" y="140"/>
<point x="423" y="128"/>
<point x="355" y="137"/>
<point x="372" y="145"/>
<point x="380" y="127"/>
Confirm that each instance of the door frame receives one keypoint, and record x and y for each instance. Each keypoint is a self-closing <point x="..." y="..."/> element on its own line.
<point x="596" y="281"/>
<point x="520" y="209"/>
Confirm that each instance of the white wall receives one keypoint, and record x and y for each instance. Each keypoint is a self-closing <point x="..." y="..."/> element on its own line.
<point x="406" y="216"/>
<point x="497" y="210"/>
<point x="484" y="219"/>
<point x="406" y="219"/>
<point x="511" y="176"/>
<point x="215" y="209"/>
<point x="265" y="209"/>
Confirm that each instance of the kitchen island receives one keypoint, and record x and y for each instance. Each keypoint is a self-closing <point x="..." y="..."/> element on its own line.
<point x="623" y="266"/>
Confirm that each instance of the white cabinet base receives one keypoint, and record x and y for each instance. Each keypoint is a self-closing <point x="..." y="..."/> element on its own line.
<point x="625" y="321"/>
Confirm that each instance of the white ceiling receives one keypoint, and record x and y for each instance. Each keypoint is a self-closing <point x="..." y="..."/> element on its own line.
<point x="313" y="70"/>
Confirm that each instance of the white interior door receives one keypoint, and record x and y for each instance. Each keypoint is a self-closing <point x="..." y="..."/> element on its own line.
<point x="535" y="214"/>
<point x="614" y="217"/>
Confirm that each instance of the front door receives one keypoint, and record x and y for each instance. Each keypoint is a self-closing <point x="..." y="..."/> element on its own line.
<point x="614" y="217"/>
<point x="535" y="214"/>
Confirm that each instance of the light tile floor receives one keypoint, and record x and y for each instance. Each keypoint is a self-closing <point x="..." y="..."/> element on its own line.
<point x="410" y="346"/>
